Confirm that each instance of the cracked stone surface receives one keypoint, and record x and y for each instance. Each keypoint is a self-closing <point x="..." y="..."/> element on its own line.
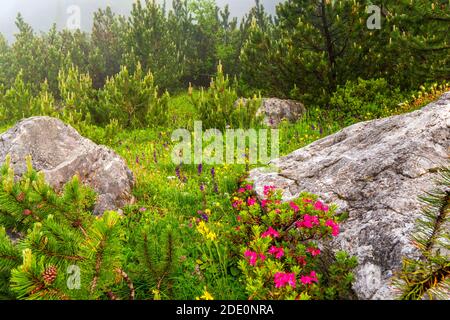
<point x="60" y="152"/>
<point x="375" y="171"/>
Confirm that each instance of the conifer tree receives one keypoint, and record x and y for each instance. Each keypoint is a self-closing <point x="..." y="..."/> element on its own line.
<point x="4" y="59"/>
<point x="423" y="35"/>
<point x="76" y="92"/>
<point x="147" y="41"/>
<point x="133" y="99"/>
<point x="105" y="47"/>
<point x="17" y="100"/>
<point x="56" y="233"/>
<point x="429" y="277"/>
<point x="219" y="108"/>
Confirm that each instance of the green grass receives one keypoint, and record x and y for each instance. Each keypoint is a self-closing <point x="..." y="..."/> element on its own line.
<point x="163" y="200"/>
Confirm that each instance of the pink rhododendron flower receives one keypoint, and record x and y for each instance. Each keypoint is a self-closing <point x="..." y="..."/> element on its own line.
<point x="252" y="255"/>
<point x="251" y="202"/>
<point x="270" y="232"/>
<point x="320" y="206"/>
<point x="264" y="203"/>
<point x="241" y="190"/>
<point x="294" y="207"/>
<point x="282" y="279"/>
<point x="277" y="252"/>
<point x="309" y="279"/>
<point x="268" y="189"/>
<point x="249" y="187"/>
<point x="334" y="226"/>
<point x="308" y="222"/>
<point x="314" y="252"/>
<point x="277" y="211"/>
<point x="307" y="201"/>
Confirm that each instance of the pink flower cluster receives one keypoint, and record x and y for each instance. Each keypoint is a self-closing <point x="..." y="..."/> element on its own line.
<point x="268" y="190"/>
<point x="309" y="279"/>
<point x="271" y="232"/>
<point x="264" y="202"/>
<point x="277" y="252"/>
<point x="254" y="257"/>
<point x="251" y="202"/>
<point x="248" y="187"/>
<point x="313" y="251"/>
<point x="308" y="222"/>
<point x="321" y="206"/>
<point x="334" y="227"/>
<point x="282" y="279"/>
<point x="294" y="207"/>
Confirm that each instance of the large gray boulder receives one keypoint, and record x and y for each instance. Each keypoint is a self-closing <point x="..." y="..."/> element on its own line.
<point x="276" y="110"/>
<point x="273" y="110"/>
<point x="60" y="153"/>
<point x="375" y="171"/>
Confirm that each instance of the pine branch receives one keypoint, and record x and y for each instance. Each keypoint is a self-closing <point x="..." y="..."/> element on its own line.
<point x="125" y="276"/>
<point x="430" y="275"/>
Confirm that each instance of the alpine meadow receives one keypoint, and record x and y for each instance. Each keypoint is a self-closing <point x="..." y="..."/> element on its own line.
<point x="183" y="151"/>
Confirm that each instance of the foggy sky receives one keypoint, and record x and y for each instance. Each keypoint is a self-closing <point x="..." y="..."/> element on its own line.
<point x="42" y="14"/>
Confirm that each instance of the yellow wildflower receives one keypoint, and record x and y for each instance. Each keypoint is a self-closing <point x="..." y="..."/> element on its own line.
<point x="206" y="296"/>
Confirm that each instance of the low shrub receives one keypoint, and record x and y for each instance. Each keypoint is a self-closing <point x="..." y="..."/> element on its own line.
<point x="280" y="245"/>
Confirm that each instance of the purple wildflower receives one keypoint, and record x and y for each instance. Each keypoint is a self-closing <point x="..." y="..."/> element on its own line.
<point x="213" y="172"/>
<point x="178" y="172"/>
<point x="200" y="169"/>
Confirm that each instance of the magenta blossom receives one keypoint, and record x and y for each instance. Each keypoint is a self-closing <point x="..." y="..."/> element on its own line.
<point x="268" y="189"/>
<point x="309" y="279"/>
<point x="249" y="187"/>
<point x="308" y="222"/>
<point x="241" y="190"/>
<point x="254" y="257"/>
<point x="320" y="206"/>
<point x="314" y="252"/>
<point x="271" y="232"/>
<point x="282" y="279"/>
<point x="294" y="207"/>
<point x="334" y="227"/>
<point x="277" y="252"/>
<point x="264" y="203"/>
<point x="251" y="202"/>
